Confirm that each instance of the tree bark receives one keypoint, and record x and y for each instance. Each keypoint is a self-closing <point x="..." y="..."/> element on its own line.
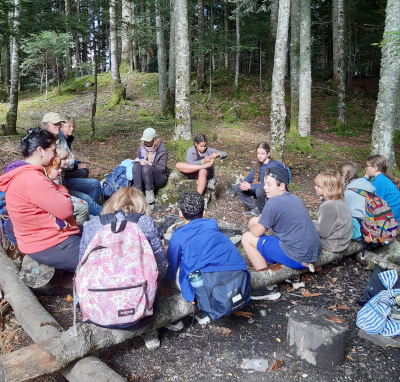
<point x="68" y="51"/>
<point x="278" y="110"/>
<point x="73" y="344"/>
<point x="95" y="59"/>
<point x="341" y="64"/>
<point x="335" y="52"/>
<point x="237" y="61"/>
<point x="125" y="39"/>
<point x="161" y="54"/>
<point x="11" y="119"/>
<point x="389" y="85"/>
<point x="273" y="24"/>
<point x="305" y="76"/>
<point x="7" y="53"/>
<point x="77" y="48"/>
<point x="171" y="68"/>
<point x="226" y="31"/>
<point x="114" y="44"/>
<point x="294" y="66"/>
<point x="39" y="325"/>
<point x="183" y="123"/>
<point x="201" y="76"/>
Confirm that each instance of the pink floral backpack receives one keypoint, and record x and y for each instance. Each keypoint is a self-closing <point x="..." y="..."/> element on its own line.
<point x="116" y="280"/>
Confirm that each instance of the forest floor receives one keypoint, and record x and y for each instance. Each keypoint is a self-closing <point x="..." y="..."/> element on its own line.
<point x="204" y="354"/>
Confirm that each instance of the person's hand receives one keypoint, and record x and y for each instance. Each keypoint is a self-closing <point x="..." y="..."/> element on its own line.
<point x="81" y="201"/>
<point x="214" y="155"/>
<point x="208" y="159"/>
<point x="81" y="165"/>
<point x="137" y="160"/>
<point x="245" y="186"/>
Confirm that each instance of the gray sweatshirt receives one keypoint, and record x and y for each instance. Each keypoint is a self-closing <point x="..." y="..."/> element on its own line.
<point x="334" y="225"/>
<point x="192" y="157"/>
<point x="356" y="202"/>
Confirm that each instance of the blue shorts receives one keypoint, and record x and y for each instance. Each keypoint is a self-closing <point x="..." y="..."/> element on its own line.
<point x="272" y="252"/>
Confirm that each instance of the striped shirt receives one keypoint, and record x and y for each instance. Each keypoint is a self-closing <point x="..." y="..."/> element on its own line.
<point x="374" y="317"/>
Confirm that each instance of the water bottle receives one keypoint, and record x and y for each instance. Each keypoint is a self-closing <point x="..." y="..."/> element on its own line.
<point x="196" y="279"/>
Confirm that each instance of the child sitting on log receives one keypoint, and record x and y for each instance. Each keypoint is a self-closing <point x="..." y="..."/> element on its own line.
<point x="296" y="243"/>
<point x="253" y="184"/>
<point x="335" y="223"/>
<point x="348" y="173"/>
<point x="200" y="163"/>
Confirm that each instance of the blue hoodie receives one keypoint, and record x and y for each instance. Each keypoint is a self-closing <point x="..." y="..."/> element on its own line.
<point x="388" y="191"/>
<point x="199" y="245"/>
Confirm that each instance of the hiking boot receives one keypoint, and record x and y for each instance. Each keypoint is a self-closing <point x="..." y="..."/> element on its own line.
<point x="266" y="294"/>
<point x="175" y="326"/>
<point x="212" y="185"/>
<point x="151" y="340"/>
<point x="252" y="212"/>
<point x="150" y="196"/>
<point x="202" y="318"/>
<point x="296" y="282"/>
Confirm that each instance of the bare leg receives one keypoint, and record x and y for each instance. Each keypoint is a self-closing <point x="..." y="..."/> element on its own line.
<point x="249" y="242"/>
<point x="187" y="168"/>
<point x="202" y="181"/>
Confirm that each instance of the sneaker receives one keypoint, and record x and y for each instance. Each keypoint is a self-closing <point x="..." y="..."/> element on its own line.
<point x="150" y="196"/>
<point x="253" y="212"/>
<point x="202" y="318"/>
<point x="296" y="282"/>
<point x="151" y="340"/>
<point x="266" y="294"/>
<point x="212" y="185"/>
<point x="175" y="326"/>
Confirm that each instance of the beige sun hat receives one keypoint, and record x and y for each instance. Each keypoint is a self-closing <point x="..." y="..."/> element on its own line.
<point x="52" y="118"/>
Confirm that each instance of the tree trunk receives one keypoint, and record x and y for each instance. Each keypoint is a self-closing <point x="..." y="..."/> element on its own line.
<point x="11" y="119"/>
<point x="77" y="48"/>
<point x="273" y="23"/>
<point x="305" y="77"/>
<point x="226" y="31"/>
<point x="7" y="53"/>
<point x="47" y="82"/>
<point x="260" y="56"/>
<point x="73" y="344"/>
<point x="171" y="69"/>
<point x="341" y="64"/>
<point x="335" y="52"/>
<point x="94" y="104"/>
<point x="389" y="85"/>
<point x="183" y="123"/>
<point x="250" y="61"/>
<point x="114" y="44"/>
<point x="237" y="61"/>
<point x="133" y="48"/>
<point x="201" y="76"/>
<point x="68" y="51"/>
<point x="294" y="67"/>
<point x="161" y="55"/>
<point x="31" y="315"/>
<point x="278" y="110"/>
<point x="126" y="41"/>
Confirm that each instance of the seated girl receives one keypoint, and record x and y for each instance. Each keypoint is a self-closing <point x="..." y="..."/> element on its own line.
<point x="41" y="211"/>
<point x="335" y="223"/>
<point x="81" y="208"/>
<point x="150" y="168"/>
<point x="296" y="243"/>
<point x="386" y="184"/>
<point x="349" y="178"/>
<point x="92" y="195"/>
<point x="253" y="185"/>
<point x="124" y="201"/>
<point x="200" y="163"/>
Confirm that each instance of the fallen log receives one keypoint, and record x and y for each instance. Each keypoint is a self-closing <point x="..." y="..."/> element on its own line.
<point x="40" y="326"/>
<point x="78" y="341"/>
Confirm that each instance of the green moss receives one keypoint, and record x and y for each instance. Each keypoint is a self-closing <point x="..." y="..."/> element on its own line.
<point x="396" y="138"/>
<point x="207" y="116"/>
<point x="304" y="144"/>
<point x="142" y="112"/>
<point x="371" y="266"/>
<point x="119" y="95"/>
<point x="168" y="108"/>
<point x="230" y="118"/>
<point x="125" y="67"/>
<point x="180" y="147"/>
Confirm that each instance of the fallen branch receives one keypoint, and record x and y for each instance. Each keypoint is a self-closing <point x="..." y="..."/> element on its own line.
<point x="40" y="326"/>
<point x="87" y="338"/>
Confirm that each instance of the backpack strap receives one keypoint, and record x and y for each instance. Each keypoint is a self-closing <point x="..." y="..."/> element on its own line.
<point x="107" y="219"/>
<point x="133" y="217"/>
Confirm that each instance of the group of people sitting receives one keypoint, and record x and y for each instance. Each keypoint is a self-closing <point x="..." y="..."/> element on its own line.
<point x="54" y="210"/>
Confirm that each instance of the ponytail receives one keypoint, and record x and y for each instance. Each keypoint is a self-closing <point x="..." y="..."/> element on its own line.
<point x="35" y="138"/>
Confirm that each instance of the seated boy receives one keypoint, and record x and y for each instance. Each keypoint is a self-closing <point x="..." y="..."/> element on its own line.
<point x="296" y="242"/>
<point x="198" y="245"/>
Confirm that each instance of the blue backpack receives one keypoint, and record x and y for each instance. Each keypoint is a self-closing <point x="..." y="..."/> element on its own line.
<point x="114" y="181"/>
<point x="3" y="221"/>
<point x="223" y="292"/>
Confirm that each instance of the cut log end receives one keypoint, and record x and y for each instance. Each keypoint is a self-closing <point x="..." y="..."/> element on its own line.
<point x="35" y="274"/>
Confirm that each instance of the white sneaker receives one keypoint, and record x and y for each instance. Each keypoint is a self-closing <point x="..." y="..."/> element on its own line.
<point x="151" y="340"/>
<point x="202" y="318"/>
<point x="150" y="196"/>
<point x="175" y="326"/>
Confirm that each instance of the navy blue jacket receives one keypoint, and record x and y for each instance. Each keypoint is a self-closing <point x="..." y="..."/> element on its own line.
<point x="199" y="245"/>
<point x="263" y="169"/>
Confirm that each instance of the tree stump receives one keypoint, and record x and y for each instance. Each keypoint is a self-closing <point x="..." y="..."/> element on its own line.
<point x="312" y="336"/>
<point x="35" y="274"/>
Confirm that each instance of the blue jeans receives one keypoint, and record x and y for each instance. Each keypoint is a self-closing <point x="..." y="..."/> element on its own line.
<point x="87" y="190"/>
<point x="271" y="251"/>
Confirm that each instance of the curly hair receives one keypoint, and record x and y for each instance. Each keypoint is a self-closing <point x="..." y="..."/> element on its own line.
<point x="331" y="185"/>
<point x="257" y="166"/>
<point x="383" y="165"/>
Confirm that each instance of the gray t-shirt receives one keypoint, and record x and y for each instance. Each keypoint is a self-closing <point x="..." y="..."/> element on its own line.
<point x="292" y="225"/>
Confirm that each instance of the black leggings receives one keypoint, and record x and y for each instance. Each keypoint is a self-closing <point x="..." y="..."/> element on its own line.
<point x="148" y="175"/>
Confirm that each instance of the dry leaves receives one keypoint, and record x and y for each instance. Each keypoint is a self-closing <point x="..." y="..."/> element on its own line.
<point x="69" y="298"/>
<point x="278" y="339"/>
<point x="276" y="366"/>
<point x="306" y="293"/>
<point x="334" y="319"/>
<point x="223" y="331"/>
<point x="343" y="307"/>
<point x="350" y="358"/>
<point x="243" y="314"/>
<point x="333" y="280"/>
